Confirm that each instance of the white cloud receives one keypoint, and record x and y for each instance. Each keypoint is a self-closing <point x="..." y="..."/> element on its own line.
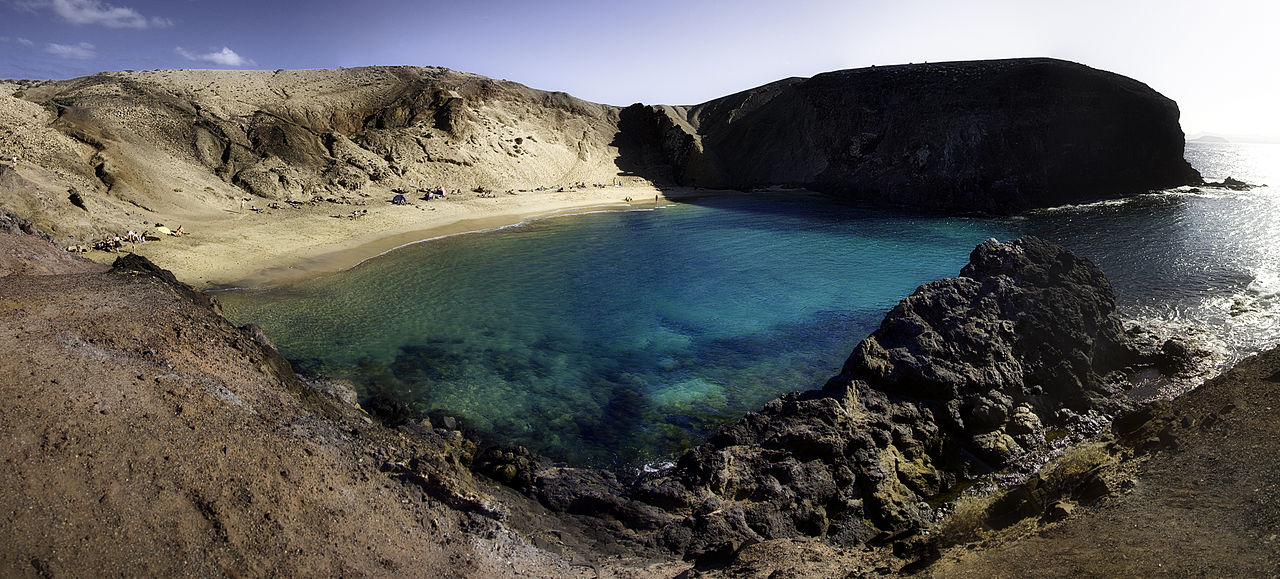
<point x="24" y="42"/>
<point x="96" y="12"/>
<point x="224" y="57"/>
<point x="81" y="51"/>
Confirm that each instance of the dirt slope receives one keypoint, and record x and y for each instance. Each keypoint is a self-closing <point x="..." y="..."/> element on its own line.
<point x="1191" y="489"/>
<point x="145" y="436"/>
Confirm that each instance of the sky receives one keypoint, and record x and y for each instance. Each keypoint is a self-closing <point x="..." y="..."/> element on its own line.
<point x="1215" y="58"/>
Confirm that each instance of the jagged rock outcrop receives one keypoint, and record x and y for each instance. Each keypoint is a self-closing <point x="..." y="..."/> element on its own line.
<point x="963" y="377"/>
<point x="13" y="223"/>
<point x="994" y="136"/>
<point x="1025" y="331"/>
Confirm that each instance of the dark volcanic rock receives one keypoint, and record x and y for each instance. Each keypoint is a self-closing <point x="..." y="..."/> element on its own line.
<point x="13" y="223"/>
<point x="963" y="377"/>
<point x="1026" y="332"/>
<point x="1232" y="184"/>
<point x="995" y="136"/>
<point x="1026" y="322"/>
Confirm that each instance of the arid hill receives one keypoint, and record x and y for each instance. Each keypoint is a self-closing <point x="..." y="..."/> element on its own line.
<point x="171" y="144"/>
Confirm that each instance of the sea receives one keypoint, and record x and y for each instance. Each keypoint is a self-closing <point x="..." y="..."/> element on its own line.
<point x="621" y="338"/>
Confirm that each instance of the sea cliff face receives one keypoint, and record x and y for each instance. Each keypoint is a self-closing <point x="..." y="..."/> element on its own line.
<point x="992" y="136"/>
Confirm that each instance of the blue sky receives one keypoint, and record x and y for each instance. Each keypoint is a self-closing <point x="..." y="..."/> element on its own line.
<point x="1215" y="58"/>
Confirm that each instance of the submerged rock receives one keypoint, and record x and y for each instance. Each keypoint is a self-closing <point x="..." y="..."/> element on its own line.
<point x="1232" y="184"/>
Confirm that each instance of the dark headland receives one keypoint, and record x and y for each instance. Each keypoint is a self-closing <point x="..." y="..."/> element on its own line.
<point x="993" y="136"/>
<point x="149" y="436"/>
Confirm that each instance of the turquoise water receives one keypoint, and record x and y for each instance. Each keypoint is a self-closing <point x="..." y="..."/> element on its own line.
<point x="616" y="337"/>
<point x="620" y="338"/>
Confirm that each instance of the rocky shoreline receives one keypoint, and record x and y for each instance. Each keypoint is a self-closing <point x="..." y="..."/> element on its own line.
<point x="151" y="436"/>
<point x="963" y="377"/>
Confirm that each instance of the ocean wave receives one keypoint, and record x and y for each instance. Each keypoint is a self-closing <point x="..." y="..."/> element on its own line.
<point x="1156" y="198"/>
<point x="1218" y="354"/>
<point x="1143" y="198"/>
<point x="1229" y="326"/>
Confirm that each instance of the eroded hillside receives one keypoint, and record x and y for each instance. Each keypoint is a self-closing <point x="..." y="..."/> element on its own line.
<point x="131" y="144"/>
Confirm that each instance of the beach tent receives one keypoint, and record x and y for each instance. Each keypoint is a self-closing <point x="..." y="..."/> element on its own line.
<point x="399" y="200"/>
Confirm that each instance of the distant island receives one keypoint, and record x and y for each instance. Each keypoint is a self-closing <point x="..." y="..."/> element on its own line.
<point x="1233" y="138"/>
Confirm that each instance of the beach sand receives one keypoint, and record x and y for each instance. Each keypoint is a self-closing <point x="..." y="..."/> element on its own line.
<point x="245" y="248"/>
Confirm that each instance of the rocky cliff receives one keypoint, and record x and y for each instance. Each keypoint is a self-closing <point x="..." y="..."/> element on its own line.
<point x="993" y="136"/>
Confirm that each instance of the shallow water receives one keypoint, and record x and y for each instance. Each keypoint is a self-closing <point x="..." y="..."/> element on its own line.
<point x="619" y="338"/>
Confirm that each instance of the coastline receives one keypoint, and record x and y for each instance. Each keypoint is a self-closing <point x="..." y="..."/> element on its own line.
<point x="158" y="420"/>
<point x="240" y="250"/>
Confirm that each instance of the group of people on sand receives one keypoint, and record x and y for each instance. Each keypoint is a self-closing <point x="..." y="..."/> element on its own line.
<point x="441" y="192"/>
<point x="437" y="193"/>
<point x="583" y="185"/>
<point x="342" y="200"/>
<point x="114" y="242"/>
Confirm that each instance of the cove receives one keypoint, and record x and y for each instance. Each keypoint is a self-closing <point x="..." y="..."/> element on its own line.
<point x="620" y="338"/>
<point x="614" y="338"/>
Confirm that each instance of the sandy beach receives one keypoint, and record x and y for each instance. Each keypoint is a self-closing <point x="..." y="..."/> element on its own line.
<point x="267" y="140"/>
<point x="247" y="248"/>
